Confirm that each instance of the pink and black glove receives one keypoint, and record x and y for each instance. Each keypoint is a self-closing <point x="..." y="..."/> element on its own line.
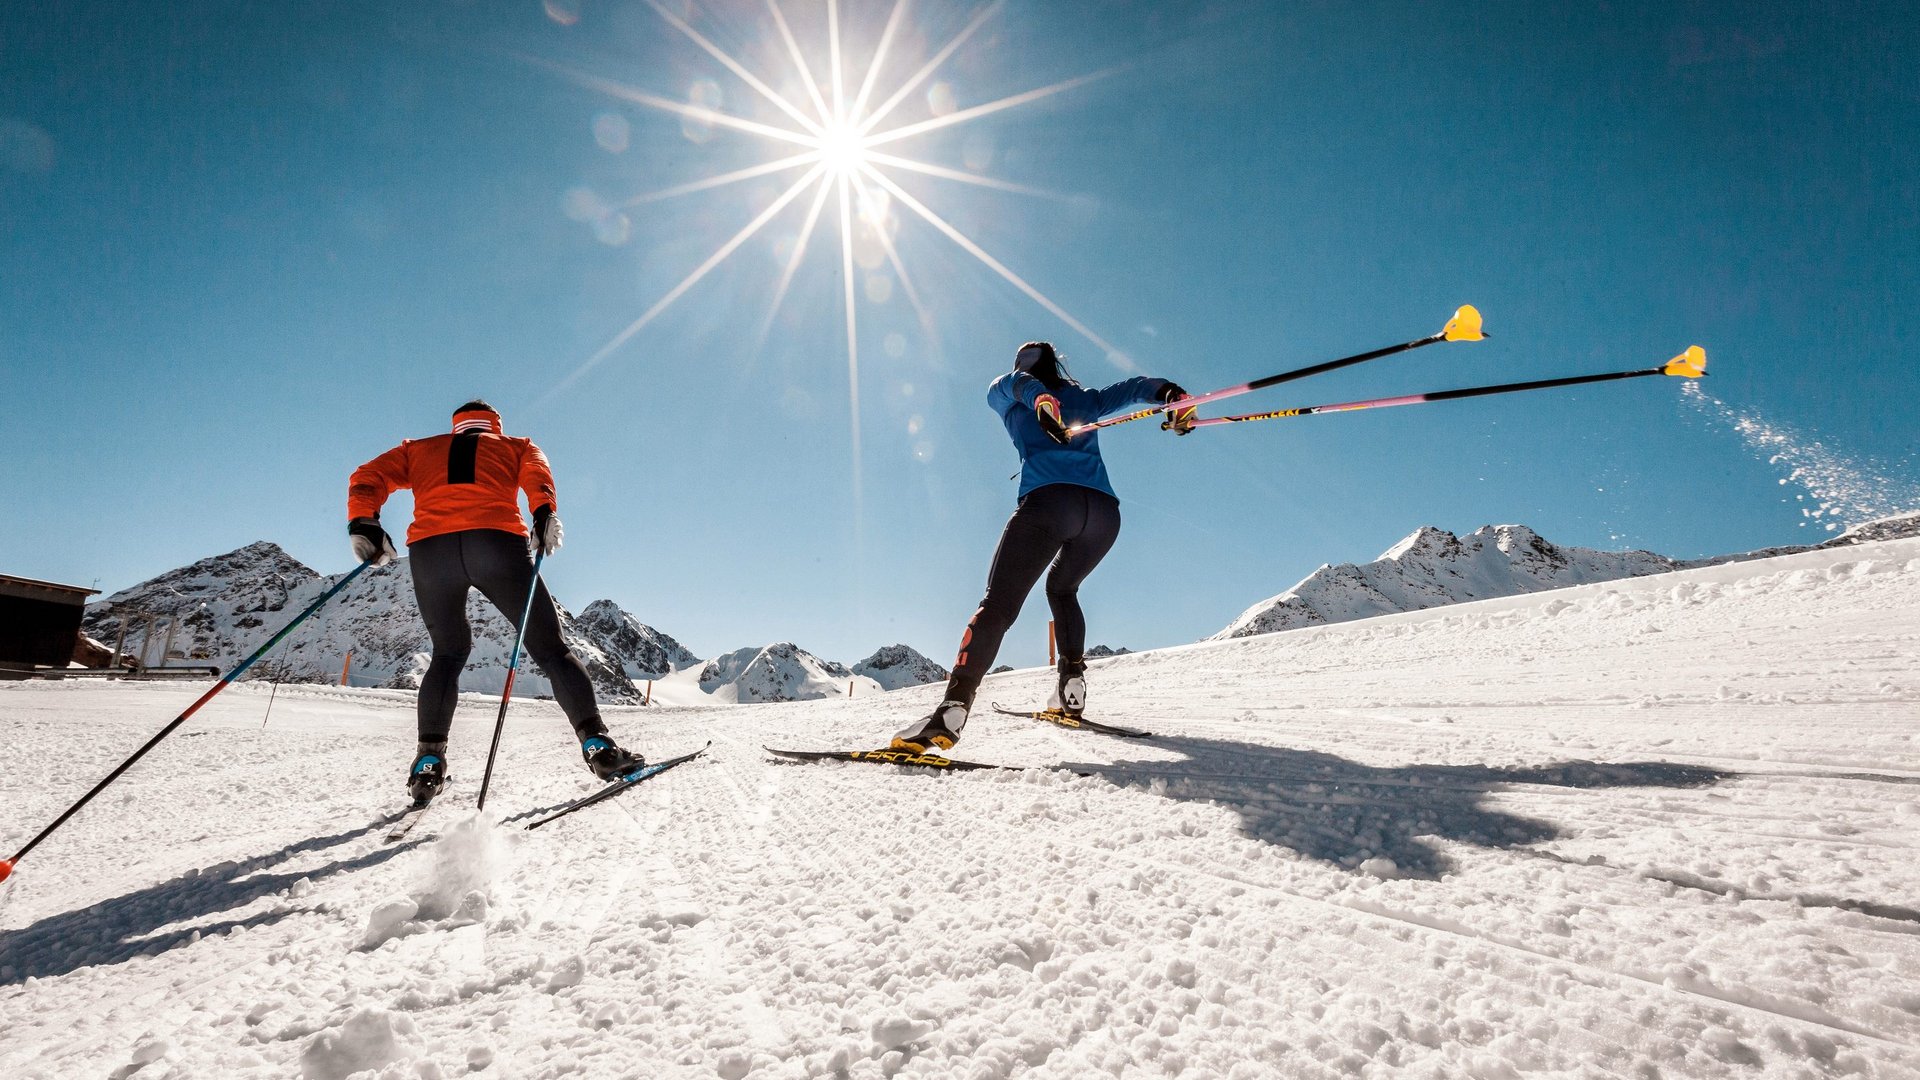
<point x="1046" y="409"/>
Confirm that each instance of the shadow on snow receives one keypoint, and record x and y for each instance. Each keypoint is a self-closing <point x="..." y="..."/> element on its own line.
<point x="1342" y="812"/>
<point x="122" y="927"/>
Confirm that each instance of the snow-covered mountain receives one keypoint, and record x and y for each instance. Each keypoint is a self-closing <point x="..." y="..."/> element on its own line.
<point x="644" y="652"/>
<point x="781" y="671"/>
<point x="1433" y="567"/>
<point x="897" y="666"/>
<point x="229" y="604"/>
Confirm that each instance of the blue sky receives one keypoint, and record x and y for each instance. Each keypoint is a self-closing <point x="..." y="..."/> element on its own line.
<point x="245" y="247"/>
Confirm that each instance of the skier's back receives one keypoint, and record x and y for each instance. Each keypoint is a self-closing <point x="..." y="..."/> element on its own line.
<point x="467" y="533"/>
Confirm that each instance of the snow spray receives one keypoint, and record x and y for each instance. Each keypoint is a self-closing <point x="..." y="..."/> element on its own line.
<point x="1843" y="491"/>
<point x="465" y="861"/>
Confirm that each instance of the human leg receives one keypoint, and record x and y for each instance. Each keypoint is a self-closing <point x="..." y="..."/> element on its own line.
<point x="1099" y="527"/>
<point x="502" y="569"/>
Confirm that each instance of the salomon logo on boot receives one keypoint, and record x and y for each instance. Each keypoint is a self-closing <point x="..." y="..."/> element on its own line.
<point x="607" y="760"/>
<point x="425" y="777"/>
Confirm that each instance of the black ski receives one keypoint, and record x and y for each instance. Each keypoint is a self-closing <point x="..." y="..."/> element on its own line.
<point x="624" y="783"/>
<point x="889" y="756"/>
<point x="1078" y="723"/>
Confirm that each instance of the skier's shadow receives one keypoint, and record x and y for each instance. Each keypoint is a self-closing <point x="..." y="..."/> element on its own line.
<point x="1345" y="813"/>
<point x="122" y="927"/>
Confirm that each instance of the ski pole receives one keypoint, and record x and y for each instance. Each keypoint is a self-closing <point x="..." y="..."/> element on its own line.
<point x="1691" y="364"/>
<point x="1464" y="326"/>
<point x="513" y="667"/>
<point x="6" y="865"/>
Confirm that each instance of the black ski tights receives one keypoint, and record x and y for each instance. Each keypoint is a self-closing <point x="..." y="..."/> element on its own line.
<point x="1070" y="526"/>
<point x="497" y="564"/>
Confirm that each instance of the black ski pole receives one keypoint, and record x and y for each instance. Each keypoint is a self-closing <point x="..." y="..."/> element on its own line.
<point x="6" y="865"/>
<point x="513" y="668"/>
<point x="1691" y="364"/>
<point x="1464" y="326"/>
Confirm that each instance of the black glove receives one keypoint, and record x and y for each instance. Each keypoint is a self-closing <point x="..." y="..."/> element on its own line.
<point x="370" y="542"/>
<point x="546" y="530"/>
<point x="1046" y="409"/>
<point x="1178" y="421"/>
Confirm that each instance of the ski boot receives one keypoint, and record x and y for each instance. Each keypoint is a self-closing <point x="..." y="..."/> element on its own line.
<point x="428" y="773"/>
<point x="607" y="760"/>
<point x="1069" y="696"/>
<point x="938" y="730"/>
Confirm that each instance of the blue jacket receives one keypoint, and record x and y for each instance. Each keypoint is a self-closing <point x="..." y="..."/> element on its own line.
<point x="1043" y="461"/>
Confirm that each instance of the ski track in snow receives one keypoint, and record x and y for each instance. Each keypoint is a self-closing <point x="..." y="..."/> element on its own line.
<point x="1656" y="827"/>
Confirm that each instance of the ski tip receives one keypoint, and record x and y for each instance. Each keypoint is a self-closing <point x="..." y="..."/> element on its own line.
<point x="6" y="869"/>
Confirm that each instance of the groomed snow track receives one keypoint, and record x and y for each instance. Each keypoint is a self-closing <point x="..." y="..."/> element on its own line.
<point x="1657" y="827"/>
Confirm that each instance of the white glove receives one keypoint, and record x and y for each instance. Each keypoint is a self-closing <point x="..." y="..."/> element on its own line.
<point x="547" y="532"/>
<point x="370" y="541"/>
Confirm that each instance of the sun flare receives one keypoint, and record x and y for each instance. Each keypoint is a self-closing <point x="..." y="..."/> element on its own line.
<point x="838" y="131"/>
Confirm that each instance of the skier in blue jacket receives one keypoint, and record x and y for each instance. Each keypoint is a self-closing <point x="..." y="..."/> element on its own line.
<point x="1068" y="516"/>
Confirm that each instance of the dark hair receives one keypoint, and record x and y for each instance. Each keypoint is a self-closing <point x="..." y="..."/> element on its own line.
<point x="1049" y="368"/>
<point x="477" y="405"/>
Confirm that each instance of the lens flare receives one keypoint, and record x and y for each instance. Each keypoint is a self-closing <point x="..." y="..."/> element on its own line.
<point x="838" y="132"/>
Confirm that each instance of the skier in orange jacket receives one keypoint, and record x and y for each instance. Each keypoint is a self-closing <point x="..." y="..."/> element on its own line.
<point x="467" y="533"/>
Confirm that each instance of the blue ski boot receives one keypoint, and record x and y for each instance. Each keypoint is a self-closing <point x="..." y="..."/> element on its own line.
<point x="428" y="773"/>
<point x="607" y="760"/>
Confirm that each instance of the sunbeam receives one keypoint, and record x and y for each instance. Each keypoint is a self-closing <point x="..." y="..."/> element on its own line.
<point x="930" y="67"/>
<point x="840" y="149"/>
<point x="879" y="58"/>
<point x="930" y="169"/>
<point x="1114" y="355"/>
<point x="853" y="337"/>
<point x="800" y="61"/>
<point x="735" y="66"/>
<point x="718" y="257"/>
<point x="976" y="111"/>
<point x="793" y="262"/>
<point x="724" y="179"/>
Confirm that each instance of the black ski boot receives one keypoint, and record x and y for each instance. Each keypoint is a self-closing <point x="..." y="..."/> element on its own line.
<point x="608" y="760"/>
<point x="428" y="773"/>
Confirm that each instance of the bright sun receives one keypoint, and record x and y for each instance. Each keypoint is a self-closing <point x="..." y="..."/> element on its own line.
<point x="834" y="133"/>
<point x="843" y="149"/>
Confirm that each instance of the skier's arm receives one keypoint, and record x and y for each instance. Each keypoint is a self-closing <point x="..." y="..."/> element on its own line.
<point x="536" y="479"/>
<point x="1022" y="391"/>
<point x="371" y="483"/>
<point x="1139" y="390"/>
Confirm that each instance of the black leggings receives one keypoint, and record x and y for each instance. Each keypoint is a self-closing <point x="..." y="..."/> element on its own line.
<point x="1072" y="527"/>
<point x="496" y="563"/>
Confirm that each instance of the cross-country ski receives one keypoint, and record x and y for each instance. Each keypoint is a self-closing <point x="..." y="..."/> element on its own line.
<point x="618" y="785"/>
<point x="888" y="756"/>
<point x="1065" y="719"/>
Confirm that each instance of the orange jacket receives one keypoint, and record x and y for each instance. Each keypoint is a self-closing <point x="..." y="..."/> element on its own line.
<point x="462" y="480"/>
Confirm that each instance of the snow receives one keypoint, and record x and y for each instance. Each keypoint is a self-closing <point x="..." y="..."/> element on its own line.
<point x="1659" y="826"/>
<point x="1433" y="567"/>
